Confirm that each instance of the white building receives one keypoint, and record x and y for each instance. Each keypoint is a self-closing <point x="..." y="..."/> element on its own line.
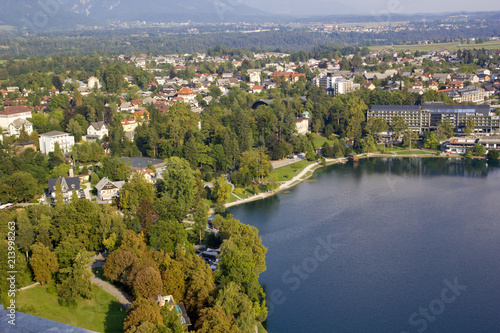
<point x="12" y="113"/>
<point x="17" y="126"/>
<point x="98" y="129"/>
<point x="92" y="82"/>
<point x="48" y="141"/>
<point x="108" y="190"/>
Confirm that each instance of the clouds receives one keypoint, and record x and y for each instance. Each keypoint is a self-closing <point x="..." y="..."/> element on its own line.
<point x="368" y="7"/>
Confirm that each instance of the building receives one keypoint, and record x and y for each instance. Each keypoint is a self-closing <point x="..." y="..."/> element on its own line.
<point x="48" y="141"/>
<point x="98" y="129"/>
<point x="459" y="145"/>
<point x="67" y="185"/>
<point x="335" y="85"/>
<point x="12" y="113"/>
<point x="93" y="82"/>
<point x="490" y="142"/>
<point x="108" y="190"/>
<point x="302" y="125"/>
<point x="428" y="116"/>
<point x="18" y="125"/>
<point x="129" y="124"/>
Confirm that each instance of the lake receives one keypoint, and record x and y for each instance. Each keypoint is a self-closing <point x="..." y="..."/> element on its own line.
<point x="390" y="245"/>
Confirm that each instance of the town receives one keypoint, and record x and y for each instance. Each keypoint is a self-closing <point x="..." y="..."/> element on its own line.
<point x="120" y="168"/>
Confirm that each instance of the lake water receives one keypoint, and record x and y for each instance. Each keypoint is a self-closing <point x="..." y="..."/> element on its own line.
<point x="392" y="245"/>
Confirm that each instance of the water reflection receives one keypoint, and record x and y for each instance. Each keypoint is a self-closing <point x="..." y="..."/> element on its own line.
<point x="415" y="167"/>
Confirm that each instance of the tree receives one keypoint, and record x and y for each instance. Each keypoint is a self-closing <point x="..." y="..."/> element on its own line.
<point x="142" y="310"/>
<point x="493" y="154"/>
<point x="77" y="281"/>
<point x="479" y="149"/>
<point x="25" y="232"/>
<point x="166" y="235"/>
<point x="222" y="189"/>
<point x="19" y="187"/>
<point x="375" y="126"/>
<point x="179" y="186"/>
<point x="147" y="283"/>
<point x="468" y="154"/>
<point x="431" y="141"/>
<point x="59" y="200"/>
<point x="200" y="219"/>
<point x="75" y="129"/>
<point x="444" y="130"/>
<point x="409" y="139"/>
<point x="235" y="303"/>
<point x="115" y="169"/>
<point x="398" y="126"/>
<point x="469" y="127"/>
<point x="255" y="164"/>
<point x="368" y="144"/>
<point x="118" y="265"/>
<point x="94" y="179"/>
<point x="43" y="262"/>
<point x="214" y="320"/>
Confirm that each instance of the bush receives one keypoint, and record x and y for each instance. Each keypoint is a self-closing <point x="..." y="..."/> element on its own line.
<point x="468" y="154"/>
<point x="238" y="191"/>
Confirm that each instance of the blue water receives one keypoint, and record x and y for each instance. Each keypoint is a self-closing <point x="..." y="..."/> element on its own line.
<point x="375" y="248"/>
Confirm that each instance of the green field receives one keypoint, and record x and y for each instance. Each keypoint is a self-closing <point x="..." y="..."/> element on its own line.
<point x="489" y="45"/>
<point x="288" y="172"/>
<point x="103" y="313"/>
<point x="319" y="140"/>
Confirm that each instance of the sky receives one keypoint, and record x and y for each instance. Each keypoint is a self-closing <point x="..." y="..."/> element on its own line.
<point x="370" y="7"/>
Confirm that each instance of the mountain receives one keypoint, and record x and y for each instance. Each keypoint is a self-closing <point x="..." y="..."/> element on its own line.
<point x="50" y="14"/>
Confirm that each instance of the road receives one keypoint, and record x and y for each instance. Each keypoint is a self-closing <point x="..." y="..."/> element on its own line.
<point x="285" y="162"/>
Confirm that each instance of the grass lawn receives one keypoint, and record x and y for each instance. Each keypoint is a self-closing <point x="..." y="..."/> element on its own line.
<point x="288" y="172"/>
<point x="100" y="314"/>
<point x="319" y="140"/>
<point x="261" y="328"/>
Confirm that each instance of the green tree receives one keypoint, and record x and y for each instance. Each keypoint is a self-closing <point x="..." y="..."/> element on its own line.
<point x="200" y="219"/>
<point x="479" y="149"/>
<point x="166" y="235"/>
<point x="43" y="262"/>
<point x="180" y="186"/>
<point x="410" y="139"/>
<point x="235" y="303"/>
<point x="59" y="200"/>
<point x="255" y="164"/>
<point x="75" y="129"/>
<point x="431" y="141"/>
<point x="398" y="126"/>
<point x="77" y="280"/>
<point x="368" y="144"/>
<point x="444" y="130"/>
<point x="222" y="190"/>
<point x="18" y="187"/>
<point x="493" y="154"/>
<point x="468" y="154"/>
<point x="469" y="127"/>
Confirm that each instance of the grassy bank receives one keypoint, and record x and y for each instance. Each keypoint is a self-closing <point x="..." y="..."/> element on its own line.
<point x="289" y="171"/>
<point x="102" y="313"/>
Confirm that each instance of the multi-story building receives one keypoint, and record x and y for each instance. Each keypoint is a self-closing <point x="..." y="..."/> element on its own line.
<point x="98" y="129"/>
<point x="12" y="113"/>
<point x="428" y="116"/>
<point x="48" y="141"/>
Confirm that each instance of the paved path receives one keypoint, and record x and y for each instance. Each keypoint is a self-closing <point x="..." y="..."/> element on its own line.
<point x="117" y="293"/>
<point x="283" y="185"/>
<point x="286" y="161"/>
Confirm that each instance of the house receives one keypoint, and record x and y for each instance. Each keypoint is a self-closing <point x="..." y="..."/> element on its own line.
<point x="302" y="125"/>
<point x="18" y="125"/>
<point x="459" y="145"/>
<point x="108" y="190"/>
<point x="434" y="86"/>
<point x="98" y="128"/>
<point x="141" y="115"/>
<point x="48" y="141"/>
<point x="126" y="107"/>
<point x="12" y="113"/>
<point x="179" y="308"/>
<point x="254" y="75"/>
<point x="93" y="82"/>
<point x="257" y="88"/>
<point x="129" y="124"/>
<point x="145" y="163"/>
<point x="186" y="93"/>
<point x="22" y="146"/>
<point x="67" y="185"/>
<point x="454" y="85"/>
<point x="368" y="85"/>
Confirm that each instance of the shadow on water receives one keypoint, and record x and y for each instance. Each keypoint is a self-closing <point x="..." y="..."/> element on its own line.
<point x="415" y="167"/>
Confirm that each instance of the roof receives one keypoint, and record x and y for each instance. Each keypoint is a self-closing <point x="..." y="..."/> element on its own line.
<point x="67" y="184"/>
<point x="19" y="123"/>
<point x="379" y="108"/>
<point x="15" y="109"/>
<point x="185" y="91"/>
<point x="105" y="181"/>
<point x="54" y="133"/>
<point x="27" y="323"/>
<point x="142" y="162"/>
<point x="97" y="124"/>
<point x="439" y="107"/>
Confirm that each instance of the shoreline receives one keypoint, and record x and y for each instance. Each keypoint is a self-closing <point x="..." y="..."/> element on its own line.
<point x="303" y="175"/>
